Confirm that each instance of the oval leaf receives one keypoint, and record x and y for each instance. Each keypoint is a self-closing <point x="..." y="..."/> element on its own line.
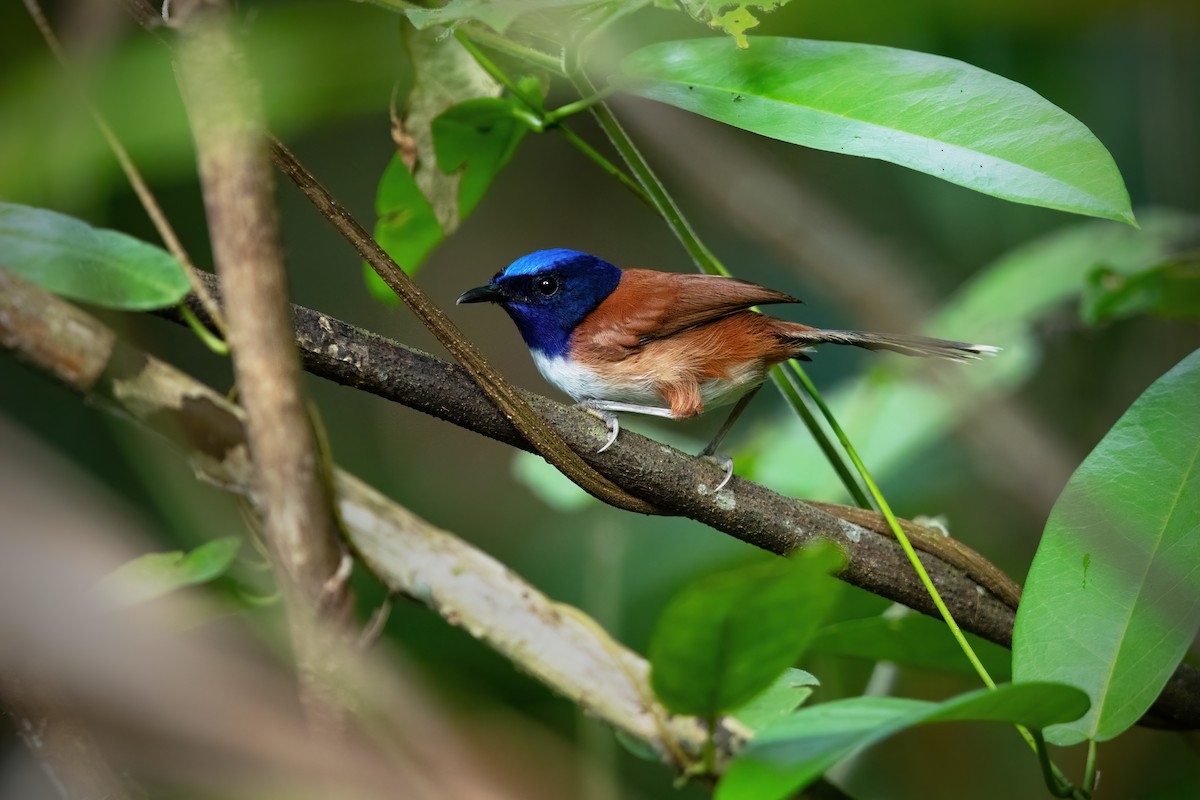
<point x="69" y="257"/>
<point x="798" y="749"/>
<point x="933" y="114"/>
<point x="727" y="637"/>
<point x="1113" y="596"/>
<point x="156" y="574"/>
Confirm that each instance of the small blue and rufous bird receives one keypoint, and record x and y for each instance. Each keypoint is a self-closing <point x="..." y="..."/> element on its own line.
<point x="667" y="344"/>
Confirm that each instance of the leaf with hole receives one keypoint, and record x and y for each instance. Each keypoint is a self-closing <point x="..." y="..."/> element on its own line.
<point x="726" y="637"/>
<point x="929" y="113"/>
<point x="789" y="691"/>
<point x="799" y="748"/>
<point x="1112" y="600"/>
<point x="69" y="257"/>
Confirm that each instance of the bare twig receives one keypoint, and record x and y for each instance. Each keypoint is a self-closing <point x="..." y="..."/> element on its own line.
<point x="294" y="493"/>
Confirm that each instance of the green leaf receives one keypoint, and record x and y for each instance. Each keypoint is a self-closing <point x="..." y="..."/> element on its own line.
<point x="732" y="18"/>
<point x="69" y="257"/>
<point x="479" y="138"/>
<point x="406" y="227"/>
<point x="725" y="638"/>
<point x="929" y="113"/>
<point x="1170" y="290"/>
<point x="798" y="749"/>
<point x="156" y="574"/>
<point x="912" y="640"/>
<point x="1113" y="596"/>
<point x="789" y="691"/>
<point x="891" y="416"/>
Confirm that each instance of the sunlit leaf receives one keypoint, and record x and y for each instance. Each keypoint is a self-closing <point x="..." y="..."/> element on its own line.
<point x="933" y="114"/>
<point x="69" y="257"/>
<point x="732" y="18"/>
<point x="1112" y="600"/>
<point x="496" y="14"/>
<point x="725" y="638"/>
<point x="800" y="747"/>
<point x="156" y="574"/>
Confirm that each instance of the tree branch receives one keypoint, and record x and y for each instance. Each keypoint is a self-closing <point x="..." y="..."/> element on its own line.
<point x="979" y="595"/>
<point x="292" y="488"/>
<point x="555" y="643"/>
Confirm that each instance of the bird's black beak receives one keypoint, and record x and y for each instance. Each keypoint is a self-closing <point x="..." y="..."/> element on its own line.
<point x="491" y="293"/>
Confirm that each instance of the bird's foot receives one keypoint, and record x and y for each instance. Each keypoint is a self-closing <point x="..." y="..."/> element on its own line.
<point x="721" y="461"/>
<point x="609" y="419"/>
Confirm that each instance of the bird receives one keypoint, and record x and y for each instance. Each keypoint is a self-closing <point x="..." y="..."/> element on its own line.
<point x="665" y="344"/>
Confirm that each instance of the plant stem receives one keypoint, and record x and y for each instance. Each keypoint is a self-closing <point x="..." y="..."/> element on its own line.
<point x="540" y="120"/>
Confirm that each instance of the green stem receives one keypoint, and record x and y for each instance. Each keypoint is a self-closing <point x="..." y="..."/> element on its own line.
<point x="540" y="121"/>
<point x="1090" y="772"/>
<point x="501" y="44"/>
<point x="212" y="342"/>
<point x="786" y="381"/>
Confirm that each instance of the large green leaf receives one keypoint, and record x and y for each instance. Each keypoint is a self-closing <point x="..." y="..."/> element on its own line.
<point x="69" y="257"/>
<point x="890" y="415"/>
<point x="933" y="114"/>
<point x="1113" y="596"/>
<point x="727" y="637"/>
<point x="912" y="640"/>
<point x="156" y="574"/>
<point x="792" y="753"/>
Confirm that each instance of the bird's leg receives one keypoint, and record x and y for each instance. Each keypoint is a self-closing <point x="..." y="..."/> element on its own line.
<point x="604" y="410"/>
<point x="709" y="451"/>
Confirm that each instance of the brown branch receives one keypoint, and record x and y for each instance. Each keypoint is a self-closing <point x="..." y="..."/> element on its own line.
<point x="982" y="599"/>
<point x="294" y="492"/>
<point x="557" y="644"/>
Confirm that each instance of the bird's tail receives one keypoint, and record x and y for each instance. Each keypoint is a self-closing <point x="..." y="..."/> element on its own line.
<point x="897" y="343"/>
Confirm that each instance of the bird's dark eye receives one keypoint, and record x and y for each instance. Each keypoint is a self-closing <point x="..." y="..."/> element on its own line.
<point x="546" y="285"/>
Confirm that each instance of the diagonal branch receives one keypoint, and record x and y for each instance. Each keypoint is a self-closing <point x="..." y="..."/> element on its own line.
<point x="978" y="593"/>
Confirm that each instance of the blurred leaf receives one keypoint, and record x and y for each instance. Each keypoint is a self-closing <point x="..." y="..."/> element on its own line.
<point x="307" y="56"/>
<point x="732" y="18"/>
<point x="496" y="14"/>
<point x="1170" y="290"/>
<point x="69" y="257"/>
<point x="156" y="574"/>
<point x="800" y="747"/>
<point x="890" y="415"/>
<point x="476" y="138"/>
<point x="1113" y="595"/>
<point x="726" y="637"/>
<point x="405" y="227"/>
<point x="912" y="640"/>
<point x="548" y="484"/>
<point x="785" y="695"/>
<point x="929" y="113"/>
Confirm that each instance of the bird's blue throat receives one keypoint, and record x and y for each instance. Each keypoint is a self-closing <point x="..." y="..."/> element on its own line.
<point x="548" y="293"/>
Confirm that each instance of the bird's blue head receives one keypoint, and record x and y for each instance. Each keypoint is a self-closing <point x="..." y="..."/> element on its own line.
<point x="548" y="293"/>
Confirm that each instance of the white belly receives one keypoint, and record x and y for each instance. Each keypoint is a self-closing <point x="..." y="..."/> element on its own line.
<point x="582" y="383"/>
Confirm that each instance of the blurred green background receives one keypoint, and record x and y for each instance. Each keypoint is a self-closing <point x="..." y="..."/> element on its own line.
<point x="1129" y="70"/>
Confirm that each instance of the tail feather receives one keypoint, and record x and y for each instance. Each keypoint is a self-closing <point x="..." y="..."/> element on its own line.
<point x="897" y="343"/>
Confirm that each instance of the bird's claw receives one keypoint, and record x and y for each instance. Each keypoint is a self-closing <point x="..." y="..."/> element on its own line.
<point x="721" y="461"/>
<point x="609" y="419"/>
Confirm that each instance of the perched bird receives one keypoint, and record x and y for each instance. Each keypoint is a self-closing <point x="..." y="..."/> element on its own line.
<point x="667" y="344"/>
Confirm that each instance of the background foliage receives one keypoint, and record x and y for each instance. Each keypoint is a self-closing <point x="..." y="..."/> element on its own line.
<point x="1081" y="346"/>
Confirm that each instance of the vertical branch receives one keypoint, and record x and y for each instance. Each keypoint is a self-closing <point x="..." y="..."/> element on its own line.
<point x="292" y="487"/>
